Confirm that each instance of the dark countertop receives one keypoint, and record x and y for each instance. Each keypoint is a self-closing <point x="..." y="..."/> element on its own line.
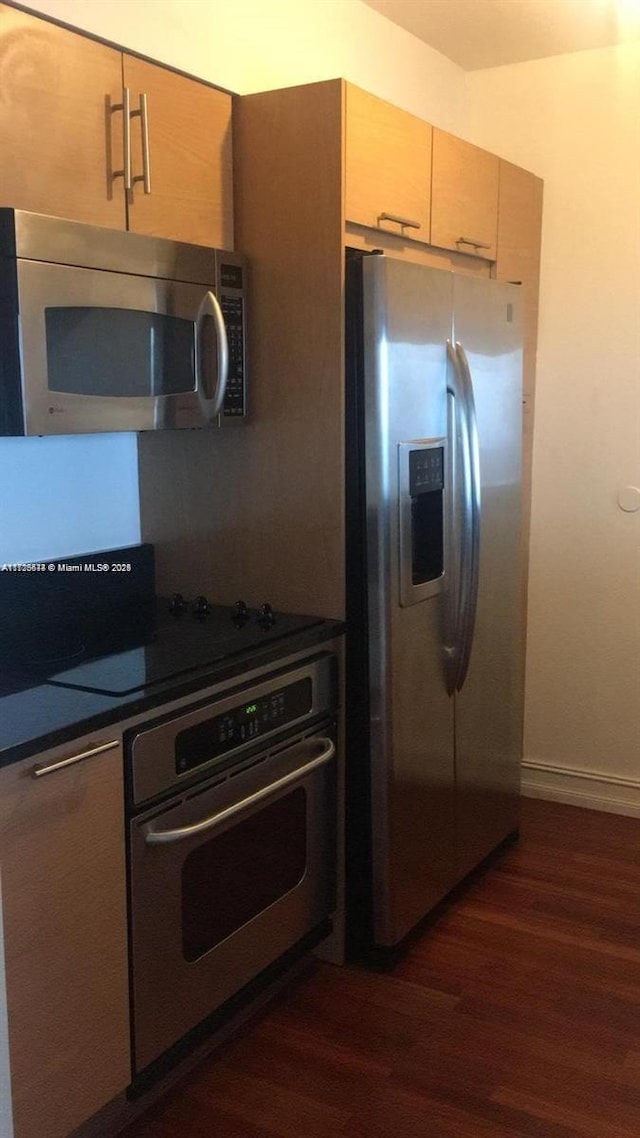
<point x="45" y="716"/>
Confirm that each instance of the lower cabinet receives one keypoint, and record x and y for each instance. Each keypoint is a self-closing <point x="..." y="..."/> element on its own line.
<point x="62" y="861"/>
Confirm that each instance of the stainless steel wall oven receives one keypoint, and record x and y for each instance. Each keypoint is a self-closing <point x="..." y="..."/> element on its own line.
<point x="232" y="845"/>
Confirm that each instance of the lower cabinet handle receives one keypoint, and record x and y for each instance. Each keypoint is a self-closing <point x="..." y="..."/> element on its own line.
<point x="51" y="768"/>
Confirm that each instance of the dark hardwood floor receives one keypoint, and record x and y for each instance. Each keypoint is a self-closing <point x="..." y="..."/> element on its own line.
<point x="516" y="1014"/>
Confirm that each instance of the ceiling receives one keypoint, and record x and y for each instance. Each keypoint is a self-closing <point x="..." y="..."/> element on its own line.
<point x="489" y="33"/>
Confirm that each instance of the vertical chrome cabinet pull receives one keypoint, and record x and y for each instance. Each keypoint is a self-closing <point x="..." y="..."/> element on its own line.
<point x="50" y="768"/>
<point x="143" y="114"/>
<point x="125" y="107"/>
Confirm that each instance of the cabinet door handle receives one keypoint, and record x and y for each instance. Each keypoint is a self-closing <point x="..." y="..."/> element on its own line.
<point x="125" y="107"/>
<point x="470" y="241"/>
<point x="51" y="768"/>
<point x="143" y="114"/>
<point x="404" y="221"/>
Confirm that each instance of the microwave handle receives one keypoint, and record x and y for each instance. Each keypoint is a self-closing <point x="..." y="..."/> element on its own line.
<point x="209" y="306"/>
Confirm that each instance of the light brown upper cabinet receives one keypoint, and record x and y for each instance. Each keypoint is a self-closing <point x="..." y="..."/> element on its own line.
<point x="464" y="197"/>
<point x="520" y="213"/>
<point x="62" y="851"/>
<point x="387" y="166"/>
<point x="58" y="140"/>
<point x="63" y="142"/>
<point x="183" y="144"/>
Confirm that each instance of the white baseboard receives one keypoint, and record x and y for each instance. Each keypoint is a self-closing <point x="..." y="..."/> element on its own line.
<point x="592" y="790"/>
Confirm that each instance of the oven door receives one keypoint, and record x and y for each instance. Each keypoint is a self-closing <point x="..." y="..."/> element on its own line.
<point x="226" y="880"/>
<point x="106" y="351"/>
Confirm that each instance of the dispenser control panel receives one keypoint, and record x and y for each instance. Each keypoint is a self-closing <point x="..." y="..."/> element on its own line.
<point x="421" y="501"/>
<point x="426" y="471"/>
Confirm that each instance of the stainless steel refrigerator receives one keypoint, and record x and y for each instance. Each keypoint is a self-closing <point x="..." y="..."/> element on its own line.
<point x="434" y="585"/>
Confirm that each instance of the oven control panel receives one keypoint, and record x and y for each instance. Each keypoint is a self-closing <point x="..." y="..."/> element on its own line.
<point x="248" y="720"/>
<point x="189" y="744"/>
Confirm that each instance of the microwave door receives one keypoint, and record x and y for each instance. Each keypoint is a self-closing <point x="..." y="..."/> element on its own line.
<point x="105" y="351"/>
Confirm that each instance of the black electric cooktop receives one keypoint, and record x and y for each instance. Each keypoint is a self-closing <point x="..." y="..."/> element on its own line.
<point x="89" y="624"/>
<point x="181" y="644"/>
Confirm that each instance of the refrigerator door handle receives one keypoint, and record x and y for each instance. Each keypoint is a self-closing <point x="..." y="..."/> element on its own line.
<point x="471" y="543"/>
<point x="458" y="519"/>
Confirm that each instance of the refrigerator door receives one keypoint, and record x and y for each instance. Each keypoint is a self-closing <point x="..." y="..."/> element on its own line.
<point x="407" y="321"/>
<point x="489" y="702"/>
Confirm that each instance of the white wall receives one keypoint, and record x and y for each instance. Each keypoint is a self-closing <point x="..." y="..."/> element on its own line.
<point x="255" y="45"/>
<point x="575" y="120"/>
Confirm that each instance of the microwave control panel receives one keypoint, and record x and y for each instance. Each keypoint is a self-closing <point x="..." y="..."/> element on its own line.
<point x="232" y="303"/>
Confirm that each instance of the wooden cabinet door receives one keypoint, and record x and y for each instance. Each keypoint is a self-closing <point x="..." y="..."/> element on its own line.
<point x="59" y="140"/>
<point x="388" y="166"/>
<point x="190" y="157"/>
<point x="518" y="258"/>
<point x="65" y="939"/>
<point x="464" y="197"/>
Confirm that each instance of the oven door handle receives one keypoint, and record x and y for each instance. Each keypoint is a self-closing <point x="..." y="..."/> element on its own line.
<point x="162" y="837"/>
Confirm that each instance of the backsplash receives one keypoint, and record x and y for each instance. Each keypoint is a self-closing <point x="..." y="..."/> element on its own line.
<point x="66" y="495"/>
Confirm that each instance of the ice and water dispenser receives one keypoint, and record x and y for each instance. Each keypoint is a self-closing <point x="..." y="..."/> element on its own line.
<point x="421" y="492"/>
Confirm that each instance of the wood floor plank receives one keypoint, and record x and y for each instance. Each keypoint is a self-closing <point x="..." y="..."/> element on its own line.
<point x="249" y="1098"/>
<point x="515" y="1015"/>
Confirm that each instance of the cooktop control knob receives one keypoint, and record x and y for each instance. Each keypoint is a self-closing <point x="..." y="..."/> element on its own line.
<point x="266" y="616"/>
<point x="241" y="612"/>
<point x="177" y="604"/>
<point x="201" y="606"/>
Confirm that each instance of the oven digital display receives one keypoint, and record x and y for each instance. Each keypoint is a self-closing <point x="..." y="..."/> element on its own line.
<point x="223" y="733"/>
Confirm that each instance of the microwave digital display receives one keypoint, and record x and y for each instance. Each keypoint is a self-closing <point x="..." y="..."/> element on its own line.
<point x="230" y="275"/>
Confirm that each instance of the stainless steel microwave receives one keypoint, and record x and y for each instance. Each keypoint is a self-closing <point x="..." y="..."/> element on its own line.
<point x="102" y="330"/>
